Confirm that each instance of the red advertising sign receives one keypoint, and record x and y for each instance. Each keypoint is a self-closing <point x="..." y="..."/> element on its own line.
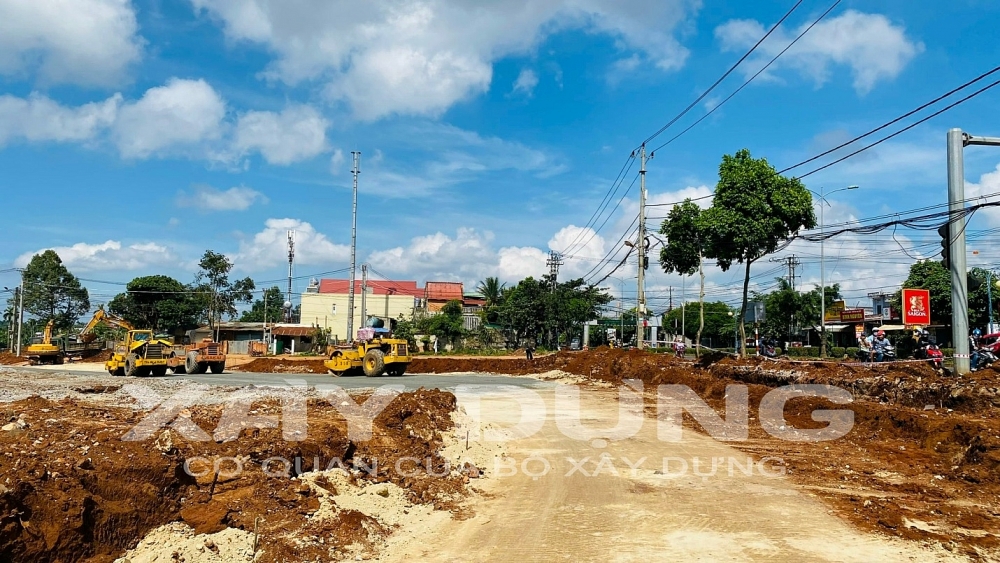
<point x="916" y="307"/>
<point x="852" y="315"/>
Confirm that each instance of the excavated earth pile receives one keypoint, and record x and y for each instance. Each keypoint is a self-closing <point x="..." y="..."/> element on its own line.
<point x="71" y="489"/>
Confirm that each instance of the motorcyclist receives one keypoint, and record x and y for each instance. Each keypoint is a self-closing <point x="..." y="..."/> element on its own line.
<point x="879" y="346"/>
<point x="974" y="344"/>
<point x="871" y="344"/>
<point x="864" y="346"/>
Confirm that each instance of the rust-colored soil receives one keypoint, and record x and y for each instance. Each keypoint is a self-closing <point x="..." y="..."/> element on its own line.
<point x="283" y="365"/>
<point x="8" y="359"/>
<point x="72" y="490"/>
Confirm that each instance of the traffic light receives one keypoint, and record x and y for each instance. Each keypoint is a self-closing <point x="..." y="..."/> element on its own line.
<point x="945" y="246"/>
<point x="645" y="262"/>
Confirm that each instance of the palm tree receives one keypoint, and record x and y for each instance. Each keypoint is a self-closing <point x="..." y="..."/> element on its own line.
<point x="492" y="291"/>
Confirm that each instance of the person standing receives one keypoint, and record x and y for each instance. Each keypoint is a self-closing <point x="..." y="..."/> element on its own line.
<point x="529" y="349"/>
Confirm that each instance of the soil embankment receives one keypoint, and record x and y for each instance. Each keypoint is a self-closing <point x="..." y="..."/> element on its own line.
<point x="71" y="489"/>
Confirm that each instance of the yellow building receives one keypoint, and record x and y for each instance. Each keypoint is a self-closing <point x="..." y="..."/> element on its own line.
<point x="326" y="304"/>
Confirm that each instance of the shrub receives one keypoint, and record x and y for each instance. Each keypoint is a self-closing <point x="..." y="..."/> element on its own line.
<point x="837" y="352"/>
<point x="852" y="352"/>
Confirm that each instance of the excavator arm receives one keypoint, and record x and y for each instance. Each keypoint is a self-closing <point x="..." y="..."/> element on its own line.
<point x="47" y="335"/>
<point x="87" y="334"/>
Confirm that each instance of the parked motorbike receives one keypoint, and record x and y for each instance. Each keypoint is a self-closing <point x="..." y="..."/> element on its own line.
<point x="932" y="353"/>
<point x="986" y="358"/>
<point x="767" y="349"/>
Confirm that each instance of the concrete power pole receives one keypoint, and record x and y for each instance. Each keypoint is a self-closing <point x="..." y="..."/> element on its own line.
<point x="364" y="294"/>
<point x="554" y="261"/>
<point x="957" y="141"/>
<point x="291" y="259"/>
<point x="20" y="314"/>
<point x="354" y="246"/>
<point x="641" y="243"/>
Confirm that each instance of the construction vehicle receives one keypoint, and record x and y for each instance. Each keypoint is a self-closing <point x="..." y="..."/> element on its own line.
<point x="197" y="358"/>
<point x="44" y="351"/>
<point x="373" y="353"/>
<point x="139" y="354"/>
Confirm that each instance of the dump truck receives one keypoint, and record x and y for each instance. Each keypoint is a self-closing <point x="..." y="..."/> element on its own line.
<point x="375" y="352"/>
<point x="197" y="358"/>
<point x="44" y="351"/>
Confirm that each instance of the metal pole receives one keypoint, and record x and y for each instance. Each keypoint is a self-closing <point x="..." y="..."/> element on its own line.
<point x="822" y="277"/>
<point x="354" y="245"/>
<point x="989" y="299"/>
<point x="956" y="233"/>
<point x="683" y="311"/>
<point x="20" y="314"/>
<point x="641" y="297"/>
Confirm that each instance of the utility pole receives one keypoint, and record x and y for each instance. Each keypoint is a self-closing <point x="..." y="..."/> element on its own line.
<point x="291" y="258"/>
<point x="641" y="243"/>
<point x="670" y="307"/>
<point x="792" y="262"/>
<point x="554" y="261"/>
<point x="364" y="294"/>
<point x="354" y="246"/>
<point x="957" y="141"/>
<point x="20" y="314"/>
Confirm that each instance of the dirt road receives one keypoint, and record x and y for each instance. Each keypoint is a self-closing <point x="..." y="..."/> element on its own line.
<point x="631" y="508"/>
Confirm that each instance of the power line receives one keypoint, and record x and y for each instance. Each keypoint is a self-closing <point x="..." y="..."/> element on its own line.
<point x="619" y="179"/>
<point x="751" y="79"/>
<point x="896" y="120"/>
<point x="901" y="131"/>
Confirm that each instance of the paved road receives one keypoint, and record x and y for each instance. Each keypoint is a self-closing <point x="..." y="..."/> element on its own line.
<point x="237" y="378"/>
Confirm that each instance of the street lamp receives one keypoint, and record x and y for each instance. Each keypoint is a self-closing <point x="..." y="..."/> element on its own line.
<point x="822" y="266"/>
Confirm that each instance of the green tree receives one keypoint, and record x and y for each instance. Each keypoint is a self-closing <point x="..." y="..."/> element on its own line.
<point x="788" y="311"/>
<point x="523" y="310"/>
<point x="447" y="324"/>
<point x="492" y="291"/>
<point x="159" y="303"/>
<point x="51" y="292"/>
<point x="269" y="307"/>
<point x="932" y="276"/>
<point x="683" y="252"/>
<point x="571" y="304"/>
<point x="754" y="210"/>
<point x="719" y="322"/>
<point x="219" y="294"/>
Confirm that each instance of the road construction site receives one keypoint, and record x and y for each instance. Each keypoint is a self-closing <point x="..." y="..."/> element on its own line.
<point x="915" y="478"/>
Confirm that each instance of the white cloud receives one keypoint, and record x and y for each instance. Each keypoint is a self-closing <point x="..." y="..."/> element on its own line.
<point x="40" y="119"/>
<point x="269" y="247"/>
<point x="873" y="47"/>
<point x="297" y="133"/>
<point x="207" y="198"/>
<point x="525" y="83"/>
<point x="415" y="57"/>
<point x="88" y="42"/>
<point x="988" y="185"/>
<point x="456" y="156"/>
<point x="467" y="256"/>
<point x="470" y="256"/>
<point x="337" y="162"/>
<point x="110" y="255"/>
<point x="178" y="114"/>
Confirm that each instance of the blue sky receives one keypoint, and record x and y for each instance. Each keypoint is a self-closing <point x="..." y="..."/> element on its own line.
<point x="134" y="135"/>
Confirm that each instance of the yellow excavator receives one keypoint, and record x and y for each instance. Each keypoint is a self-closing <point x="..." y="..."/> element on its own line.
<point x="44" y="351"/>
<point x="138" y="354"/>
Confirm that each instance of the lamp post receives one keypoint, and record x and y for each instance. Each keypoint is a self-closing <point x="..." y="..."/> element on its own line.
<point x="822" y="266"/>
